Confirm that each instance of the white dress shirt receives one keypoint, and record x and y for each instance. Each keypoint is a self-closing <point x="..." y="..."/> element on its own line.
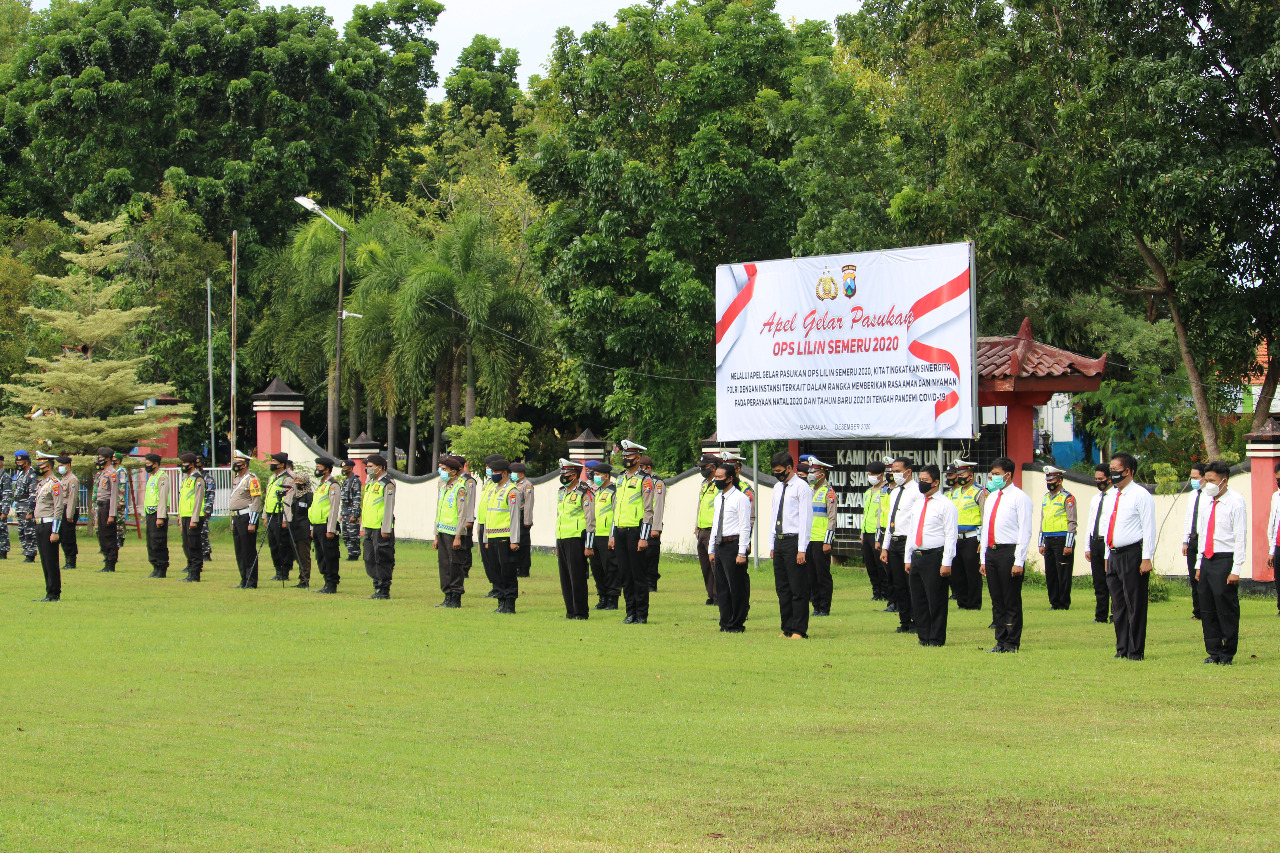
<point x="796" y="501"/>
<point x="1097" y="521"/>
<point x="1135" y="519"/>
<point x="733" y="509"/>
<point x="904" y="497"/>
<point x="1230" y="525"/>
<point x="1009" y="509"/>
<point x="941" y="527"/>
<point x="1192" y="524"/>
<point x="1273" y="520"/>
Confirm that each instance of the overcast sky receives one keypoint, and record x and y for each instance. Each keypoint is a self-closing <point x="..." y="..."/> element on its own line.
<point x="530" y="27"/>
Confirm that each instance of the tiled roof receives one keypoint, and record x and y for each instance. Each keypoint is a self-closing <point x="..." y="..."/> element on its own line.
<point x="1003" y="357"/>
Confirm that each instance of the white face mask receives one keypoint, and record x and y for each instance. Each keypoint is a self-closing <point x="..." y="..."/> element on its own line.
<point x="62" y="469"/>
<point x="1211" y="490"/>
<point x="899" y="478"/>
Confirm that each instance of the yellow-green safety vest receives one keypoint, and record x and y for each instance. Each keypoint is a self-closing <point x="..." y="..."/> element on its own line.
<point x="604" y="510"/>
<point x="571" y="517"/>
<point x="152" y="500"/>
<point x="271" y="500"/>
<point x="818" y="533"/>
<point x="966" y="500"/>
<point x="871" y="501"/>
<point x="372" y="504"/>
<point x="187" y="497"/>
<point x="630" y="501"/>
<point x="885" y="506"/>
<point x="447" y="508"/>
<point x="318" y="513"/>
<point x="1054" y="519"/>
<point x="497" y="516"/>
<point x="707" y="505"/>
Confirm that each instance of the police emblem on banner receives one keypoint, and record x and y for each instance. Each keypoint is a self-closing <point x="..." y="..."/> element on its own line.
<point x="850" y="280"/>
<point x="827" y="287"/>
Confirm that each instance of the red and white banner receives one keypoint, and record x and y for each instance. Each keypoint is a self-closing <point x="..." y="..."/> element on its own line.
<point x="865" y="345"/>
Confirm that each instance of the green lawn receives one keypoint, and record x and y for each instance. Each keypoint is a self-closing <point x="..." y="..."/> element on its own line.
<point x="145" y="715"/>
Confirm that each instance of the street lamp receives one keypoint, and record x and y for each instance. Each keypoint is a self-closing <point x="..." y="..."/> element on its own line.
<point x="336" y="392"/>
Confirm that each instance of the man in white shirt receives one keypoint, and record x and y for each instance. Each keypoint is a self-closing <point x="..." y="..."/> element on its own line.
<point x="1006" y="536"/>
<point x="1191" y="535"/>
<point x="728" y="544"/>
<point x="1273" y="529"/>
<point x="931" y="547"/>
<point x="893" y="539"/>
<point x="1095" y="545"/>
<point x="1222" y="530"/>
<point x="790" y="522"/>
<point x="1129" y="517"/>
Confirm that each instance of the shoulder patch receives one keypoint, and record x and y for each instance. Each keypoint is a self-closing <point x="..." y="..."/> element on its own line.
<point x="648" y="486"/>
<point x="391" y="487"/>
<point x="1070" y="500"/>
<point x="659" y="486"/>
<point x="512" y="496"/>
<point x="57" y="488"/>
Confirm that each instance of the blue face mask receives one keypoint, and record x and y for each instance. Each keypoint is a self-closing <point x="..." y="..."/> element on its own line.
<point x="995" y="482"/>
<point x="444" y="473"/>
<point x="488" y="472"/>
<point x="515" y="476"/>
<point x="598" y="480"/>
<point x="1195" y="485"/>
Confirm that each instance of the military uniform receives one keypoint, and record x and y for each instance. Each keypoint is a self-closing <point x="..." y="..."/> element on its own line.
<point x="245" y="505"/>
<point x="324" y="515"/>
<point x="524" y="554"/>
<point x="48" y="517"/>
<point x="24" y="501"/>
<point x="377" y="517"/>
<point x="155" y="506"/>
<point x="502" y="514"/>
<point x="122" y="521"/>
<point x="1057" y="536"/>
<point x="279" y="539"/>
<point x="210" y="491"/>
<point x="451" y="498"/>
<point x="190" y="518"/>
<point x="106" y="499"/>
<point x="966" y="580"/>
<point x="70" y="515"/>
<point x="604" y="564"/>
<point x="632" y="518"/>
<point x="350" y="516"/>
<point x="6" y="504"/>
<point x="575" y="534"/>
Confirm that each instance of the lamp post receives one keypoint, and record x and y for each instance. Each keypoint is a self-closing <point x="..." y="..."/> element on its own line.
<point x="336" y="391"/>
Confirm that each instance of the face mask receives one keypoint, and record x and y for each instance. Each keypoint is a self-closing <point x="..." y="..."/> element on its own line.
<point x="1102" y="487"/>
<point x="1053" y="484"/>
<point x="564" y="478"/>
<point x="1116" y="476"/>
<point x="1211" y="490"/>
<point x="488" y="472"/>
<point x="515" y="476"/>
<point x="1196" y="484"/>
<point x="723" y="484"/>
<point x="995" y="482"/>
<point x="274" y="469"/>
<point x="62" y="469"/>
<point x="812" y="478"/>
<point x="629" y="460"/>
<point x="238" y="467"/>
<point x="706" y="473"/>
<point x="42" y="470"/>
<point x="100" y="464"/>
<point x="320" y="474"/>
<point x="495" y="476"/>
<point x="443" y="472"/>
<point x="149" y="468"/>
<point x="598" y="480"/>
<point x="899" y="478"/>
<point x="780" y="475"/>
<point x="927" y="487"/>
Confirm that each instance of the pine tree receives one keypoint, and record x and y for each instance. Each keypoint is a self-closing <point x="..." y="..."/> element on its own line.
<point x="80" y="400"/>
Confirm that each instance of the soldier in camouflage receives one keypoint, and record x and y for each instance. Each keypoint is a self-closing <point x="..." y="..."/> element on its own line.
<point x="24" y="501"/>
<point x="351" y="490"/>
<point x="209" y="488"/>
<point x="6" y="503"/>
<point x="122" y="475"/>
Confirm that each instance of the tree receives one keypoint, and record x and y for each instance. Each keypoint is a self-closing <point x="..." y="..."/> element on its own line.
<point x="13" y="17"/>
<point x="488" y="436"/>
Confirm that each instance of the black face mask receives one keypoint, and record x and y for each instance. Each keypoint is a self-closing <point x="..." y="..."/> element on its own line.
<point x="722" y="484"/>
<point x="496" y="477"/>
<point x="1053" y="484"/>
<point x="1103" y="485"/>
<point x="926" y="488"/>
<point x="149" y="468"/>
<point x="707" y="473"/>
<point x="238" y="467"/>
<point x="567" y="478"/>
<point x="100" y="464"/>
<point x="781" y="475"/>
<point x="1117" y="476"/>
<point x="951" y="482"/>
<point x="321" y="474"/>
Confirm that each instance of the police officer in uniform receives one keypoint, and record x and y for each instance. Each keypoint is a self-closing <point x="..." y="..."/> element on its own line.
<point x="377" y="515"/>
<point x="279" y="540"/>
<point x="6" y="503"/>
<point x="297" y="506"/>
<point x="575" y="533"/>
<point x="451" y="497"/>
<point x="519" y="476"/>
<point x="70" y="511"/>
<point x="48" y="514"/>
<point x="191" y="515"/>
<point x="502" y="531"/>
<point x="155" y="506"/>
<point x="821" y="535"/>
<point x="654" y="552"/>
<point x="873" y="502"/>
<point x="466" y="520"/>
<point x="486" y="555"/>
<point x="1057" y="538"/>
<point x="24" y="501"/>
<point x="106" y="499"/>
<point x="351" y="486"/>
<point x="969" y="498"/>
<point x="629" y="539"/>
<point x="323" y="516"/>
<point x="210" y="492"/>
<point x="245" y="505"/>
<point x="604" y="565"/>
<point x="702" y="524"/>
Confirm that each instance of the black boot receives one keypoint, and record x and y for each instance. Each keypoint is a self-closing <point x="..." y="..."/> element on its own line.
<point x="446" y="601"/>
<point x="611" y="603"/>
<point x="192" y="577"/>
<point x="493" y="593"/>
<point x="327" y="589"/>
<point x="302" y="585"/>
<point x="454" y="601"/>
<point x="29" y="559"/>
<point x="351" y="558"/>
<point x="155" y="573"/>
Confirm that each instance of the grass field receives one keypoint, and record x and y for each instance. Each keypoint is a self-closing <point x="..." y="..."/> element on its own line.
<point x="143" y="715"/>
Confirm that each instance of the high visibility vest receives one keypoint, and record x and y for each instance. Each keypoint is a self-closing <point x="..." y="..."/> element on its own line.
<point x="372" y="504"/>
<point x="630" y="500"/>
<point x="966" y="500"/>
<point x="706" y="505"/>
<point x="187" y="497"/>
<point x="447" y="508"/>
<point x="1054" y="513"/>
<point x="885" y="507"/>
<point x="271" y="501"/>
<point x="497" y="515"/>
<point x="604" y="510"/>
<point x="482" y="501"/>
<point x="571" y="516"/>
<point x="152" y="499"/>
<point x="319" y="511"/>
<point x="871" y="501"/>
<point x="818" y="533"/>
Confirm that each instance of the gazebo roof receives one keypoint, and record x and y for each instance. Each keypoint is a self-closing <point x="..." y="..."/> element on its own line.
<point x="1021" y="363"/>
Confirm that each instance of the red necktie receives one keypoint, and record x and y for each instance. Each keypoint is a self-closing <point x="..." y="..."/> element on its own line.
<point x="1208" y="531"/>
<point x="920" y="526"/>
<point x="1111" y="526"/>
<point x="991" y="527"/>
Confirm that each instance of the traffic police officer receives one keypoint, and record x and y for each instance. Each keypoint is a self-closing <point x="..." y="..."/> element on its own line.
<point x="604" y="565"/>
<point x="70" y="511"/>
<point x="351" y="486"/>
<point x="466" y="519"/>
<point x="873" y="503"/>
<point x="821" y="536"/>
<point x="702" y="525"/>
<point x="575" y="534"/>
<point x="519" y="476"/>
<point x="6" y="503"/>
<point x="155" y="506"/>
<point x="451" y="498"/>
<point x="191" y="515"/>
<point x="106" y="498"/>
<point x="1057" y="538"/>
<point x="502" y="515"/>
<point x="323" y="516"/>
<point x="629" y="539"/>
<point x="48" y="516"/>
<point x="969" y="498"/>
<point x="279" y="539"/>
<point x="486" y="555"/>
<point x="245" y="505"/>
<point x="654" y="551"/>
<point x="377" y="515"/>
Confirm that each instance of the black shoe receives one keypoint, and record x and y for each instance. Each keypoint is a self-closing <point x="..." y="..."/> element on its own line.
<point x="240" y="585"/>
<point x="191" y="578"/>
<point x="890" y="609"/>
<point x="352" y="558"/>
<point x="1195" y="616"/>
<point x="1102" y="621"/>
<point x="1136" y="657"/>
<point x="208" y="555"/>
<point x="641" y="620"/>
<point x="279" y="577"/>
<point x="67" y="568"/>
<point x="599" y="605"/>
<point x="493" y="593"/>
<point x="822" y="613"/>
<point x="251" y="586"/>
<point x="4" y="555"/>
<point x="454" y="602"/>
<point x="630" y="620"/>
<point x="995" y="650"/>
<point x="380" y="595"/>
<point x="904" y="629"/>
<point x="154" y="574"/>
<point x="1210" y="659"/>
<point x="653" y="587"/>
<point x="29" y="560"/>
<point x="444" y="603"/>
<point x="302" y="585"/>
<point x="1221" y="661"/>
<point x="1118" y="656"/>
<point x="327" y="589"/>
<point x="991" y="627"/>
<point x="47" y="598"/>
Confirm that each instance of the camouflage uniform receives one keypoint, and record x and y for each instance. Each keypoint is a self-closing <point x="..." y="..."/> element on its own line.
<point x="24" y="502"/>
<point x="351" y="495"/>
<point x="122" y="522"/>
<point x="209" y="487"/>
<point x="6" y="504"/>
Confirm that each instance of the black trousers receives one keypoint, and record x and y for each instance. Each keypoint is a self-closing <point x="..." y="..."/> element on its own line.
<point x="1118" y="610"/>
<point x="49" y="560"/>
<point x="929" y="596"/>
<point x="67" y="542"/>
<point x="652" y="554"/>
<point x="969" y="591"/>
<point x="1219" y="607"/>
<point x="818" y="562"/>
<point x="899" y="583"/>
<point x="1006" y="595"/>
<point x="524" y="556"/>
<point x="379" y="558"/>
<point x="703" y="537"/>
<point x="632" y="571"/>
<point x="1058" y="569"/>
<point x="604" y="569"/>
<point x="108" y="537"/>
<point x="246" y="547"/>
<point x="449" y="562"/>
<point x="1098" y="566"/>
<point x="877" y="575"/>
<point x="279" y="544"/>
<point x="192" y="546"/>
<point x="506" y="568"/>
<point x="300" y="530"/>
<point x="157" y="543"/>
<point x="486" y="560"/>
<point x="327" y="553"/>
<point x="1193" y="552"/>
<point x="462" y="557"/>
<point x="573" y="575"/>
<point x="791" y="582"/>
<point x="1131" y="610"/>
<point x="733" y="584"/>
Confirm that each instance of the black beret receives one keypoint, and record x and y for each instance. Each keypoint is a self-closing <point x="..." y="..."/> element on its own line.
<point x="708" y="459"/>
<point x="377" y="459"/>
<point x="325" y="462"/>
<point x="518" y="467"/>
<point x="489" y="460"/>
<point x="454" y="462"/>
<point x="186" y="456"/>
<point x="282" y="458"/>
<point x="802" y="468"/>
<point x="64" y="459"/>
<point x="106" y="452"/>
<point x="646" y="460"/>
<point x="500" y="464"/>
<point x="347" y="463"/>
<point x="154" y="457"/>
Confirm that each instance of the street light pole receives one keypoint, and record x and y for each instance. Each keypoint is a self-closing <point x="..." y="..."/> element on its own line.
<point x="335" y="390"/>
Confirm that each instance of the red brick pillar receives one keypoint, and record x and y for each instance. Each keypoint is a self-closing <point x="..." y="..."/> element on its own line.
<point x="1263" y="450"/>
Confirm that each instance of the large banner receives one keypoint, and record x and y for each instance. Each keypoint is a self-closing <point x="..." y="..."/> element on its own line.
<point x="866" y="345"/>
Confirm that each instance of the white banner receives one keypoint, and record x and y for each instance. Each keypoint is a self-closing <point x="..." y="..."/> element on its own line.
<point x="865" y="345"/>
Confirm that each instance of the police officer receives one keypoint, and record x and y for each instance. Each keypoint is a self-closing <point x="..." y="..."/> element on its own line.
<point x="323" y="516"/>
<point x="969" y="498"/>
<point x="210" y="491"/>
<point x="48" y="514"/>
<point x="486" y="555"/>
<point x="654" y="552"/>
<point x="575" y="534"/>
<point x="155" y="506"/>
<point x="377" y="515"/>
<point x="279" y="540"/>
<point x="872" y="505"/>
<point x="519" y="476"/>
<point x="106" y="499"/>
<point x="70" y="511"/>
<point x="629" y="539"/>
<point x="191" y="515"/>
<point x="604" y="565"/>
<point x="6" y="503"/>
<point x="451" y="498"/>
<point x="245" y="505"/>
<point x="702" y="524"/>
<point x="502" y="515"/>
<point x="1057" y="538"/>
<point x="466" y="519"/>
<point x="821" y="535"/>
<point x="297" y="506"/>
<point x="351" y="486"/>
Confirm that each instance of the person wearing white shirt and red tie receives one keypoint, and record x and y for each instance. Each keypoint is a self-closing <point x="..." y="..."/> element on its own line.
<point x="1095" y="546"/>
<point x="792" y="517"/>
<point x="1130" y="521"/>
<point x="1006" y="537"/>
<point x="1273" y="529"/>
<point x="1191" y="535"/>
<point x="893" y="540"/>
<point x="728" y="544"/>
<point x="932" y="548"/>
<point x="1222" y="557"/>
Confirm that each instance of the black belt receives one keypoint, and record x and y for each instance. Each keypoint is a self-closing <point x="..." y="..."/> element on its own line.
<point x="902" y="538"/>
<point x="926" y="550"/>
<point x="1000" y="546"/>
<point x="724" y="539"/>
<point x="1222" y="555"/>
<point x="786" y="536"/>
<point x="1125" y="549"/>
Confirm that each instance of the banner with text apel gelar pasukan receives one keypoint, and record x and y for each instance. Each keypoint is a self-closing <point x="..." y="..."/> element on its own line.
<point x="864" y="345"/>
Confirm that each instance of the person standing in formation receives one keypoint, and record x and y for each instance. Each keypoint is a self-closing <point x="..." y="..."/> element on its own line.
<point x="6" y="503"/>
<point x="792" y="516"/>
<point x="1273" y="530"/>
<point x="893" y="540"/>
<point x="462" y="559"/>
<point x="524" y="556"/>
<point x="70" y="512"/>
<point x="1222" y="559"/>
<point x="1057" y="538"/>
<point x="969" y="499"/>
<point x="297" y="508"/>
<point x="24" y="502"/>
<point x="1131" y="543"/>
<point x="323" y="518"/>
<point x="821" y="537"/>
<point x="702" y="524"/>
<point x="351" y="487"/>
<point x="730" y="535"/>
<point x="487" y="561"/>
<point x="1191" y="536"/>
<point x="210" y="494"/>
<point x="155" y="507"/>
<point x="575" y="535"/>
<point x="929" y="557"/>
<point x="654" y="552"/>
<point x="377" y="514"/>
<point x="451" y="501"/>
<point x="872" y="500"/>
<point x="279" y="541"/>
<point x="1096" y="547"/>
<point x="502" y="533"/>
<point x="629" y="539"/>
<point x="191" y="515"/>
<point x="245" y="505"/>
<point x="106" y="499"/>
<point x="122" y="520"/>
<point x="1006" y="536"/>
<point x="604" y="566"/>
<point x="48" y="516"/>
